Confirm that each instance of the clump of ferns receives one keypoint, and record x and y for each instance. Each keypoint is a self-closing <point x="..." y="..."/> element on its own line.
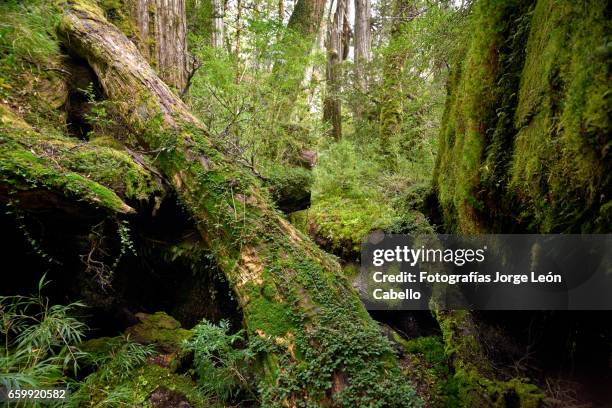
<point x="40" y="340"/>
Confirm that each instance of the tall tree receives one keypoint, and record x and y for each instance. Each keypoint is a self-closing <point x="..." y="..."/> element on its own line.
<point x="217" y="25"/>
<point x="393" y="67"/>
<point x="306" y="18"/>
<point x="162" y="25"/>
<point x="294" y="51"/>
<point x="362" y="42"/>
<point x="337" y="49"/>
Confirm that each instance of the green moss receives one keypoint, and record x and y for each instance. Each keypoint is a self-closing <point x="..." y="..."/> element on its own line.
<point x="100" y="345"/>
<point x="299" y="219"/>
<point x="476" y="390"/>
<point x="564" y="102"/>
<point x="267" y="314"/>
<point x="524" y="135"/>
<point x="474" y="380"/>
<point x="137" y="389"/>
<point x="289" y="185"/>
<point x="118" y="12"/>
<point x="98" y="175"/>
<point x="341" y="225"/>
<point x="151" y="376"/>
<point x="426" y="364"/>
<point x="335" y="339"/>
<point x="22" y="170"/>
<point x="161" y="330"/>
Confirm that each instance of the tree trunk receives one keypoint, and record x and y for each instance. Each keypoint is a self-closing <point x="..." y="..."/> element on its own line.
<point x="337" y="47"/>
<point x="363" y="42"/>
<point x="217" y="27"/>
<point x="391" y="105"/>
<point x="296" y="45"/>
<point x="306" y="18"/>
<point x="318" y="344"/>
<point x="162" y="24"/>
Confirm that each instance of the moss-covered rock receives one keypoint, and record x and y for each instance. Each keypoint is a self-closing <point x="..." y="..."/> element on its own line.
<point x="149" y="385"/>
<point x="524" y="144"/>
<point x="474" y="379"/>
<point x="290" y="187"/>
<point x="161" y="330"/>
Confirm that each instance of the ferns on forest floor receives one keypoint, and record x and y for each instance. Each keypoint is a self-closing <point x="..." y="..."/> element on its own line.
<point x="40" y="340"/>
<point x="220" y="363"/>
<point x="42" y="349"/>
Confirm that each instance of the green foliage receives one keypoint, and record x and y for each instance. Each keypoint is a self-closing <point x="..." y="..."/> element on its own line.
<point x="340" y="343"/>
<point x="221" y="365"/>
<point x="117" y="357"/>
<point x="243" y="100"/>
<point x="27" y="34"/>
<point x="126" y="244"/>
<point x="355" y="193"/>
<point x="40" y="341"/>
<point x="98" y="116"/>
<point x="122" y="375"/>
<point x="428" y="365"/>
<point x="96" y="174"/>
<point x="376" y="177"/>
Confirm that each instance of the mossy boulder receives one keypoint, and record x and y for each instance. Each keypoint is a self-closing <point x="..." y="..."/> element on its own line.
<point x="157" y="386"/>
<point x="99" y="345"/>
<point x="159" y="329"/>
<point x="149" y="385"/>
<point x="290" y="187"/>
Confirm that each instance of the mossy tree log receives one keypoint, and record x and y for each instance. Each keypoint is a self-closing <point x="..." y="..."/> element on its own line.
<point x="39" y="170"/>
<point x="319" y="345"/>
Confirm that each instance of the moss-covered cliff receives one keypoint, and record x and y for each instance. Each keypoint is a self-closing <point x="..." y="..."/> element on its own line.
<point x="524" y="144"/>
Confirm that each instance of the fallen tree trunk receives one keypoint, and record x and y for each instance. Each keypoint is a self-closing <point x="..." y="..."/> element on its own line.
<point x="318" y="343"/>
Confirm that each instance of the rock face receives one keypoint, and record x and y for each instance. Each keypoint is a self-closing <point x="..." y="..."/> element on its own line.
<point x="524" y="144"/>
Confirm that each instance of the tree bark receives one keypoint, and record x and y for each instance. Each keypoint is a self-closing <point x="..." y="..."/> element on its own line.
<point x="363" y="42"/>
<point x="306" y="18"/>
<point x="217" y="27"/>
<point x="391" y="105"/>
<point x="337" y="48"/>
<point x="296" y="45"/>
<point x="162" y="24"/>
<point x="319" y="345"/>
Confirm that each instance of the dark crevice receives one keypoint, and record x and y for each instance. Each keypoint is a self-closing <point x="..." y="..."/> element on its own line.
<point x="78" y="106"/>
<point x="169" y="271"/>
